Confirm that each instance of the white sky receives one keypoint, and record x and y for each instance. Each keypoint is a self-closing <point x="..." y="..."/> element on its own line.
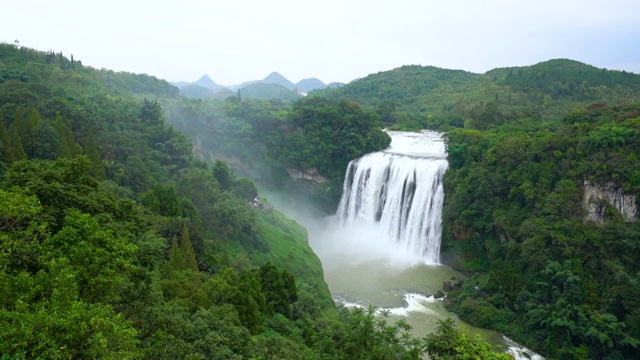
<point x="333" y="40"/>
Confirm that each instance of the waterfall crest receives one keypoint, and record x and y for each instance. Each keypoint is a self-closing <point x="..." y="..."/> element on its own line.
<point x="400" y="191"/>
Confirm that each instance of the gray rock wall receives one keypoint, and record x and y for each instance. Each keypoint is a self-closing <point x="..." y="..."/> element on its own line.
<point x="598" y="196"/>
<point x="311" y="174"/>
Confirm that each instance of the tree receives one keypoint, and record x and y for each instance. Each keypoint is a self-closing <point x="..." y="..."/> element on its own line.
<point x="249" y="300"/>
<point x="273" y="288"/>
<point x="176" y="260"/>
<point x="91" y="150"/>
<point x="5" y="143"/>
<point x="188" y="254"/>
<point x="151" y="112"/>
<point x="449" y="343"/>
<point x="68" y="147"/>
<point x="16" y="146"/>
<point x="223" y="174"/>
<point x="99" y="259"/>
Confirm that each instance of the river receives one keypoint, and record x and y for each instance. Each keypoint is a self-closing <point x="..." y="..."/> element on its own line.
<point x="382" y="247"/>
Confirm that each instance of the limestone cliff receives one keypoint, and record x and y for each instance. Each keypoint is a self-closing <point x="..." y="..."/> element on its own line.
<point x="598" y="196"/>
<point x="311" y="174"/>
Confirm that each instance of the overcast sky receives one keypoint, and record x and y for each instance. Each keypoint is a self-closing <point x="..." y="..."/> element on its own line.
<point x="333" y="40"/>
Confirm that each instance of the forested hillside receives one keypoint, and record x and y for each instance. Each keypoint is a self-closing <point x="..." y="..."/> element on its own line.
<point x="268" y="138"/>
<point x="546" y="273"/>
<point x="115" y="243"/>
<point x="425" y="96"/>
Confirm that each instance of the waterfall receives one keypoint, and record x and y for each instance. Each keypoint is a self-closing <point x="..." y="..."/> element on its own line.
<point x="400" y="191"/>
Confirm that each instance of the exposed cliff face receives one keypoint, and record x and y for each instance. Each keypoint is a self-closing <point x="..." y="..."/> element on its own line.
<point x="311" y="174"/>
<point x="598" y="196"/>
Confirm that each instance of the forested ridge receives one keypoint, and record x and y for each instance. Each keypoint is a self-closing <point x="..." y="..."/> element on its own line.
<point x="414" y="97"/>
<point x="116" y="243"/>
<point x="545" y="273"/>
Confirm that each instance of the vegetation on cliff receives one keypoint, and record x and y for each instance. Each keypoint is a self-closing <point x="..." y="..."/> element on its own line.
<point x="564" y="286"/>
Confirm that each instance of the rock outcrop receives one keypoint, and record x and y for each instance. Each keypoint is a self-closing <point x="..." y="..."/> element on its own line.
<point x="311" y="174"/>
<point x="598" y="196"/>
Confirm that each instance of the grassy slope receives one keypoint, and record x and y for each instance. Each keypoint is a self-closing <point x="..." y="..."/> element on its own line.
<point x="288" y="248"/>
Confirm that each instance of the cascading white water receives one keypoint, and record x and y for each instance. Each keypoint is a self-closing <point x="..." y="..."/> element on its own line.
<point x="388" y="227"/>
<point x="400" y="191"/>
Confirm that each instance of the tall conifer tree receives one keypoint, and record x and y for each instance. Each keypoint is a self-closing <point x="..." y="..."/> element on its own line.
<point x="176" y="260"/>
<point x="189" y="255"/>
<point x="69" y="148"/>
<point x="91" y="150"/>
<point x="16" y="146"/>
<point x="64" y="151"/>
<point x="5" y="142"/>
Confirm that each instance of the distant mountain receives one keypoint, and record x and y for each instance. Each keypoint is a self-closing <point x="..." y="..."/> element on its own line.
<point x="205" y="82"/>
<point x="308" y="85"/>
<point x="196" y="91"/>
<point x="276" y="78"/>
<point x="223" y="92"/>
<point x="180" y="84"/>
<point x="240" y="86"/>
<point x="545" y="90"/>
<point x="264" y="91"/>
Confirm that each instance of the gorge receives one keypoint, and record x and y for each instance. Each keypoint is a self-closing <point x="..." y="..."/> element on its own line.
<point x="382" y="247"/>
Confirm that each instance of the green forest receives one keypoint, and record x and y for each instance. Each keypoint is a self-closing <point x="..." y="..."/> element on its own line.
<point x="415" y="97"/>
<point x="117" y="243"/>
<point x="524" y="143"/>
<point x="514" y="212"/>
<point x="263" y="139"/>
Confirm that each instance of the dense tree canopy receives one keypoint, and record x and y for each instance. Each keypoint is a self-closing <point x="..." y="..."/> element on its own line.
<point x="514" y="209"/>
<point x="265" y="139"/>
<point x="115" y="243"/>
<point x="414" y="97"/>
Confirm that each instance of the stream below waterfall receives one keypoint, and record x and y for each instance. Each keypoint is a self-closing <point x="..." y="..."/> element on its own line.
<point x="382" y="247"/>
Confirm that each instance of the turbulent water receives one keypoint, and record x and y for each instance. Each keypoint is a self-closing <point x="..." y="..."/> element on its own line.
<point x="382" y="247"/>
<point x="399" y="191"/>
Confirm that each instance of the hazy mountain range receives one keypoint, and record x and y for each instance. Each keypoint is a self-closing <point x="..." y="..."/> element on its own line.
<point x="272" y="86"/>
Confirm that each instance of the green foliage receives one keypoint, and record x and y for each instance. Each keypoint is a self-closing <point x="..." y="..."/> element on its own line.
<point x="223" y="174"/>
<point x="6" y="151"/>
<point x="514" y="210"/>
<point x="415" y="97"/>
<point x="188" y="254"/>
<point x="269" y="139"/>
<point x="268" y="91"/>
<point x="176" y="256"/>
<point x="86" y="270"/>
<point x="450" y="343"/>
